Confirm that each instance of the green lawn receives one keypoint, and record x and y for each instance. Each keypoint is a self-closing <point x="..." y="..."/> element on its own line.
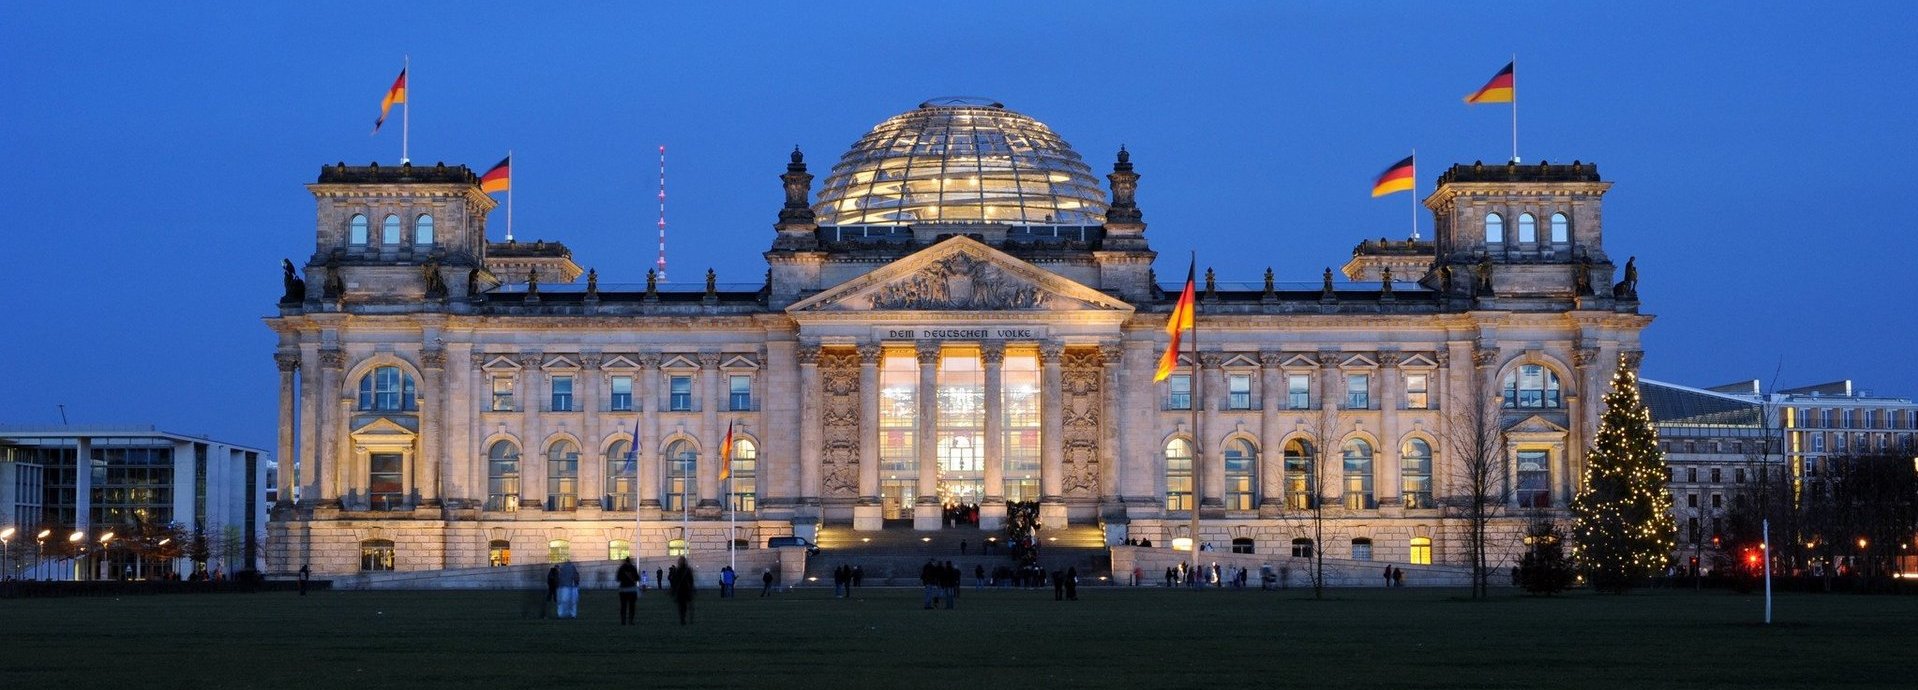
<point x="1226" y="640"/>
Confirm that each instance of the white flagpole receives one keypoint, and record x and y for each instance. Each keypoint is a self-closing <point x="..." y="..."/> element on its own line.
<point x="1515" y="108"/>
<point x="1767" y="566"/>
<point x="509" y="194"/>
<point x="1415" y="193"/>
<point x="406" y="116"/>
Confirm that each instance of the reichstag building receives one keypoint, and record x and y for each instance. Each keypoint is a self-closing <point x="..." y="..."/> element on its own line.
<point x="960" y="316"/>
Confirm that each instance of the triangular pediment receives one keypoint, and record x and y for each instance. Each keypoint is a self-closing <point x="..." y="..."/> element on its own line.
<point x="960" y="274"/>
<point x="1535" y="424"/>
<point x="1418" y="359"/>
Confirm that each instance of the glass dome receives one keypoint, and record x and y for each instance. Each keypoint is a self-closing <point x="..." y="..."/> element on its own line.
<point x="961" y="160"/>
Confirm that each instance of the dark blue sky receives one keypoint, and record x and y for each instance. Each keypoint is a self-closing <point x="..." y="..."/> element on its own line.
<point x="155" y="156"/>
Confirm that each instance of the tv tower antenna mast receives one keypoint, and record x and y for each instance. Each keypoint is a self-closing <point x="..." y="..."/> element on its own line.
<point x="660" y="266"/>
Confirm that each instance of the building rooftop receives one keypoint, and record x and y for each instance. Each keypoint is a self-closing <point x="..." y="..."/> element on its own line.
<point x="1683" y="405"/>
<point x="1478" y="171"/>
<point x="405" y="173"/>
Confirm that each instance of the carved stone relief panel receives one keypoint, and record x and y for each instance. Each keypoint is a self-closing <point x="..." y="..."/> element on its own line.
<point x="1083" y="392"/>
<point x="960" y="281"/>
<point x="839" y="422"/>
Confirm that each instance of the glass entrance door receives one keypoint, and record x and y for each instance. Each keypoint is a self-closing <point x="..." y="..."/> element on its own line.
<point x="896" y="497"/>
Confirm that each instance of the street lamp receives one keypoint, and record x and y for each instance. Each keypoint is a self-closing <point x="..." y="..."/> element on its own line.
<point x="5" y="535"/>
<point x="104" y="566"/>
<point x="78" y="539"/>
<point x="40" y="553"/>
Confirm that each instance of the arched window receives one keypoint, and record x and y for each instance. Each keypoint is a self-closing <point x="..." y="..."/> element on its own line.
<point x="681" y="462"/>
<point x="356" y="230"/>
<point x="1421" y="551"/>
<point x="1301" y="487"/>
<point x="1361" y="549"/>
<point x="1301" y="548"/>
<point x="619" y="550"/>
<point x="376" y="554"/>
<point x="1358" y="475"/>
<point x="1527" y="228"/>
<point x="559" y="551"/>
<point x="1178" y="474"/>
<point x="1494" y="228"/>
<point x="1561" y="228"/>
<point x="423" y="230"/>
<point x="1531" y="386"/>
<point x="745" y="476"/>
<point x="622" y="474"/>
<point x="390" y="230"/>
<point x="499" y="553"/>
<point x="562" y="476"/>
<point x="1243" y="545"/>
<point x="387" y="389"/>
<point x="1241" y="463"/>
<point x="1416" y="474"/>
<point x="502" y="476"/>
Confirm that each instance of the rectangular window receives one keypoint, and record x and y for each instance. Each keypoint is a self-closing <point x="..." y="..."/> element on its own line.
<point x="1238" y="391"/>
<point x="1534" y="479"/>
<point x="1415" y="395"/>
<point x="1358" y="392"/>
<point x="622" y="398"/>
<point x="1020" y="402"/>
<point x="1298" y="391"/>
<point x="1716" y="477"/>
<point x="1718" y="500"/>
<point x="739" y="390"/>
<point x="1421" y="551"/>
<point x="1738" y="475"/>
<point x="1178" y="392"/>
<point x="1361" y="549"/>
<point x="1691" y="474"/>
<point x="1691" y="500"/>
<point x="898" y="422"/>
<point x="562" y="394"/>
<point x="1818" y="443"/>
<point x="384" y="486"/>
<point x="502" y="394"/>
<point x="679" y="394"/>
<point x="1847" y="419"/>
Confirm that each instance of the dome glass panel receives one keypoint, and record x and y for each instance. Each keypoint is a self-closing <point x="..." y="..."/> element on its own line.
<point x="957" y="160"/>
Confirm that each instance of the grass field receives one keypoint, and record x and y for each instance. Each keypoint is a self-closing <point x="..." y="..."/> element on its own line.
<point x="996" y="639"/>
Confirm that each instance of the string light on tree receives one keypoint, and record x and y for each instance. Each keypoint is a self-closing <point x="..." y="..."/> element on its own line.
<point x="1623" y="532"/>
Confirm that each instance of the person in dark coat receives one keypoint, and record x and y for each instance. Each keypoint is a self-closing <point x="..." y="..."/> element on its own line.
<point x="306" y="573"/>
<point x="1072" y="583"/>
<point x="628" y="577"/>
<point x="681" y="582"/>
<point x="552" y="588"/>
<point x="1058" y="586"/>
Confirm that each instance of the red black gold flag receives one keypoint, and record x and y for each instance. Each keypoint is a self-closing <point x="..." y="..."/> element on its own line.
<point x="1498" y="90"/>
<point x="499" y="178"/>
<point x="394" y="96"/>
<point x="726" y="454"/>
<point x="1397" y="178"/>
<point x="1181" y="321"/>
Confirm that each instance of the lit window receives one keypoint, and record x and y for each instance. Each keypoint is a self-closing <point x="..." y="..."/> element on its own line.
<point x="1239" y="391"/>
<point x="562" y="393"/>
<point x="1301" y="548"/>
<point x="1178" y="474"/>
<point x="385" y="481"/>
<point x="502" y="394"/>
<point x="676" y="547"/>
<point x="502" y="476"/>
<point x="376" y="554"/>
<point x="1416" y="475"/>
<point x="356" y="230"/>
<point x="619" y="550"/>
<point x="387" y="389"/>
<point x="562" y="476"/>
<point x="1178" y="392"/>
<point x="1531" y="386"/>
<point x="681" y="462"/>
<point x="1361" y="549"/>
<point x="559" y="551"/>
<point x="1241" y="463"/>
<point x="1358" y="394"/>
<point x="622" y="471"/>
<point x="745" y="474"/>
<point x="622" y="397"/>
<point x="1527" y="228"/>
<point x="390" y="231"/>
<point x="1301" y="486"/>
<point x="499" y="553"/>
<point x="680" y="394"/>
<point x="739" y="393"/>
<point x="1298" y="391"/>
<point x="1494" y="228"/>
<point x="1561" y="229"/>
<point x="1534" y="479"/>
<point x="1358" y="475"/>
<point x="1416" y="397"/>
<point x="1421" y="551"/>
<point x="423" y="230"/>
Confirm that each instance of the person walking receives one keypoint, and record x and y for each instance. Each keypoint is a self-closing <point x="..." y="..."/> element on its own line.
<point x="1398" y="577"/>
<point x="766" y="584"/>
<point x="682" y="588"/>
<point x="1388" y="575"/>
<point x="306" y="573"/>
<point x="568" y="590"/>
<point x="552" y="589"/>
<point x="1072" y="583"/>
<point x="628" y="577"/>
<point x="726" y="579"/>
<point x="951" y="582"/>
<point x="929" y="580"/>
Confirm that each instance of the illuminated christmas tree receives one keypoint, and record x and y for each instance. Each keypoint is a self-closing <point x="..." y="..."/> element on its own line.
<point x="1623" y="532"/>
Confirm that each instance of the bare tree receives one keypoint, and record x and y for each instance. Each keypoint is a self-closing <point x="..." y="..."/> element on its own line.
<point x="1480" y="489"/>
<point x="1323" y="454"/>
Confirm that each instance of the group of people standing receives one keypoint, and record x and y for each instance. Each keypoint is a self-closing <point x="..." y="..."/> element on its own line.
<point x="845" y="578"/>
<point x="940" y="582"/>
<point x="562" y="589"/>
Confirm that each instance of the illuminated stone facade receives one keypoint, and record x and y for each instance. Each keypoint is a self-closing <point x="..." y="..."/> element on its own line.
<point x="448" y="414"/>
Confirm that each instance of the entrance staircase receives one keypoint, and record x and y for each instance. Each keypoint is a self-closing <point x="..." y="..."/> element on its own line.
<point x="894" y="556"/>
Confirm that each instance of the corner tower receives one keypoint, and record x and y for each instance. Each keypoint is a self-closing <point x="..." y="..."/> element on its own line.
<point x="396" y="234"/>
<point x="1519" y="235"/>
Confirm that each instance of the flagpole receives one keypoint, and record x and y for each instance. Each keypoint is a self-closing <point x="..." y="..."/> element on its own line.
<point x="509" y="195"/>
<point x="406" y="116"/>
<point x="1198" y="400"/>
<point x="1515" y="108"/>
<point x="1767" y="565"/>
<point x="1415" y="193"/>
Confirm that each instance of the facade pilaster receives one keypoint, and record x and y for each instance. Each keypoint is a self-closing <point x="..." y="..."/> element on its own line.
<point x="869" y="358"/>
<point x="1271" y="466"/>
<point x="712" y="430"/>
<point x="1211" y="448"/>
<point x="1145" y="464"/>
<point x="309" y="463"/>
<point x="289" y="364"/>
<point x="1111" y="442"/>
<point x="1052" y="509"/>
<point x="992" y="355"/>
<point x="427" y="467"/>
<point x="1388" y="464"/>
<point x="329" y="452"/>
<point x="647" y="402"/>
<point x="592" y="462"/>
<point x="810" y="432"/>
<point x="779" y="407"/>
<point x="532" y="458"/>
<point x="926" y="506"/>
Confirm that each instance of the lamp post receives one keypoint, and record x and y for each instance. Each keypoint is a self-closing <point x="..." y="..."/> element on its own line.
<point x="40" y="553"/>
<point x="5" y="546"/>
<point x="105" y="568"/>
<point x="78" y="540"/>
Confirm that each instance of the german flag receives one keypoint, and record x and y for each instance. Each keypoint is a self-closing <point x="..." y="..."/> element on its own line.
<point x="1397" y="178"/>
<point x="394" y="96"/>
<point x="726" y="454"/>
<point x="1181" y="321"/>
<point x="499" y="178"/>
<point x="1499" y="90"/>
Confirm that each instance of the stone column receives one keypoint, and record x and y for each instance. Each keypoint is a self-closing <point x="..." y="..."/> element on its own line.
<point x="1144" y="464"/>
<point x="1211" y="450"/>
<point x="1386" y="463"/>
<point x="1327" y="473"/>
<point x="289" y="362"/>
<point x="868" y="515"/>
<point x="431" y="461"/>
<point x="992" y="511"/>
<point x="310" y="410"/>
<point x="712" y="430"/>
<point x="1052" y="508"/>
<point x="1582" y="413"/>
<point x="647" y="447"/>
<point x="1112" y="357"/>
<point x="532" y="458"/>
<point x="592" y="462"/>
<point x="1271" y="467"/>
<point x="328" y="451"/>
<point x="810" y="432"/>
<point x="780" y="399"/>
<point x="926" y="509"/>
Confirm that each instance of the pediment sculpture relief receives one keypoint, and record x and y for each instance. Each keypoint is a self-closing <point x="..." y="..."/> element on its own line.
<point x="957" y="282"/>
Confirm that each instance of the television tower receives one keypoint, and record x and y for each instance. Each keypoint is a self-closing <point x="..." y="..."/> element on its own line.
<point x="660" y="267"/>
